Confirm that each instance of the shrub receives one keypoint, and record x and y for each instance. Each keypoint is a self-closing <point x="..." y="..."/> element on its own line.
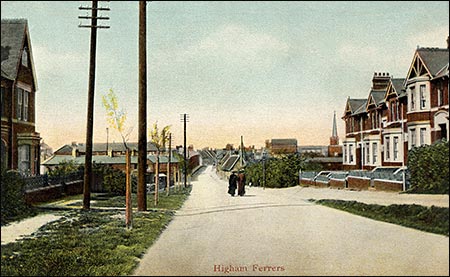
<point x="113" y="179"/>
<point x="12" y="197"/>
<point x="429" y="168"/>
<point x="278" y="172"/>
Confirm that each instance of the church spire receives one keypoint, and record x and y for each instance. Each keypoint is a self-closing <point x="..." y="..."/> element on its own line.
<point x="334" y="134"/>
<point x="334" y="139"/>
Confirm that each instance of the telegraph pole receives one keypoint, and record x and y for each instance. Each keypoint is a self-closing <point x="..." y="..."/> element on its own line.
<point x="169" y="164"/>
<point x="185" y="120"/>
<point x="90" y="109"/>
<point x="142" y="131"/>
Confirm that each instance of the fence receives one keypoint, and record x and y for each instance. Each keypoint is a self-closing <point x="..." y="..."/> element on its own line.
<point x="42" y="181"/>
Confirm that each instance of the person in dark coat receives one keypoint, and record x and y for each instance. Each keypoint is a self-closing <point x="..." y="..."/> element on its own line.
<point x="241" y="183"/>
<point x="232" y="183"/>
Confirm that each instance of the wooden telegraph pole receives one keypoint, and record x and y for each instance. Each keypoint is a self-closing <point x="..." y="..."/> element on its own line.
<point x="142" y="132"/>
<point x="90" y="110"/>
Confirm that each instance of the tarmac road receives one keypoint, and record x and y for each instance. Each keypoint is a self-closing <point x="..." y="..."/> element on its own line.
<point x="278" y="232"/>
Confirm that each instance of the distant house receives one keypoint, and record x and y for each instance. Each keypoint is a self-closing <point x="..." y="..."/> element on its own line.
<point x="112" y="154"/>
<point x="20" y="143"/>
<point x="281" y="146"/>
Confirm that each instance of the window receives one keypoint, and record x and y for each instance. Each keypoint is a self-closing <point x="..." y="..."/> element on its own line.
<point x="350" y="152"/>
<point x="395" y="148"/>
<point x="388" y="146"/>
<point x="422" y="97"/>
<point x="422" y="135"/>
<point x="367" y="148"/>
<point x="25" y="57"/>
<point x="19" y="103"/>
<point x="391" y="108"/>
<point x="374" y="152"/>
<point x="372" y="119"/>
<point x="413" y="138"/>
<point x="353" y="124"/>
<point x="22" y="104"/>
<point x="413" y="101"/>
<point x="440" y="94"/>
<point x="397" y="117"/>
<point x="345" y="153"/>
<point x="25" y="105"/>
<point x="24" y="159"/>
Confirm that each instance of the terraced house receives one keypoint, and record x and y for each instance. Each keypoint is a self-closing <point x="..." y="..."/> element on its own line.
<point x="399" y="113"/>
<point x="19" y="139"/>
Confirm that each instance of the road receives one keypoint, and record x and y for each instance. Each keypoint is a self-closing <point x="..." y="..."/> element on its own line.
<point x="279" y="232"/>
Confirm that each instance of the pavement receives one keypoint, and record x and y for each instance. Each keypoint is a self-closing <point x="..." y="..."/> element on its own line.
<point x="279" y="232"/>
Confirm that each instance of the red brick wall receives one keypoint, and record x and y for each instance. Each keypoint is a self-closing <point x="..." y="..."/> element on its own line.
<point x="339" y="184"/>
<point x="53" y="192"/>
<point x="307" y="182"/>
<point x="385" y="185"/>
<point x="358" y="183"/>
<point x="321" y="184"/>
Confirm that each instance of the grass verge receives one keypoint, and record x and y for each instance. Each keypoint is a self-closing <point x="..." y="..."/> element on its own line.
<point x="90" y="243"/>
<point x="430" y="219"/>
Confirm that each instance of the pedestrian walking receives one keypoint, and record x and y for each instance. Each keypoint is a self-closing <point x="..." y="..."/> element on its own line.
<point x="241" y="183"/>
<point x="232" y="183"/>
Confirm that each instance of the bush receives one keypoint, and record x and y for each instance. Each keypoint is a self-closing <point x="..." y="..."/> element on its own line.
<point x="278" y="172"/>
<point x="429" y="168"/>
<point x="13" y="205"/>
<point x="64" y="168"/>
<point x="113" y="179"/>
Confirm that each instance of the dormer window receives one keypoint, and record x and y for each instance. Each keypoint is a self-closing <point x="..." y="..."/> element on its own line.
<point x="25" y="57"/>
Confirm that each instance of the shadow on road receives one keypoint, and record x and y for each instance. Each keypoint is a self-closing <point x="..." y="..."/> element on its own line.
<point x="221" y="209"/>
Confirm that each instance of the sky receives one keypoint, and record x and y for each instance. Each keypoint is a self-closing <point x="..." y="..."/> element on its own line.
<point x="260" y="70"/>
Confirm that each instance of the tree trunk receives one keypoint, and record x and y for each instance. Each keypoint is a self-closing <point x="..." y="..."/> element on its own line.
<point x="128" y="208"/>
<point x="157" y="178"/>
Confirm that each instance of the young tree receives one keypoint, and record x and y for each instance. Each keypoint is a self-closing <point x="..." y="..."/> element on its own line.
<point x="159" y="139"/>
<point x="116" y="119"/>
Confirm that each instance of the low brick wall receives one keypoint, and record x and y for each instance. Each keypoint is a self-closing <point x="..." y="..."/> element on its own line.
<point x="387" y="185"/>
<point x="74" y="188"/>
<point x="337" y="183"/>
<point x="307" y="182"/>
<point x="358" y="183"/>
<point x="43" y="194"/>
<point x="321" y="184"/>
<point x="53" y="192"/>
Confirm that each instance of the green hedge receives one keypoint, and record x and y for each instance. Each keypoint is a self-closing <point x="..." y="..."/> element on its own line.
<point x="429" y="168"/>
<point x="13" y="202"/>
<point x="279" y="172"/>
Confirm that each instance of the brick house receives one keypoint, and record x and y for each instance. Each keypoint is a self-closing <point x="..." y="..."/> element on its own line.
<point x="398" y="114"/>
<point x="20" y="143"/>
<point x="281" y="146"/>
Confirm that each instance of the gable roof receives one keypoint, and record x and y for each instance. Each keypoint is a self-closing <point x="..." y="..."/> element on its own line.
<point x="361" y="109"/>
<point x="353" y="105"/>
<point x="433" y="60"/>
<point x="230" y="163"/>
<point x="396" y="88"/>
<point x="376" y="97"/>
<point x="443" y="72"/>
<point x="101" y="146"/>
<point x="14" y="35"/>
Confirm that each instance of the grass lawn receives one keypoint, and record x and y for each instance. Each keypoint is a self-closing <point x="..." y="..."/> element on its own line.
<point x="430" y="219"/>
<point x="91" y="243"/>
